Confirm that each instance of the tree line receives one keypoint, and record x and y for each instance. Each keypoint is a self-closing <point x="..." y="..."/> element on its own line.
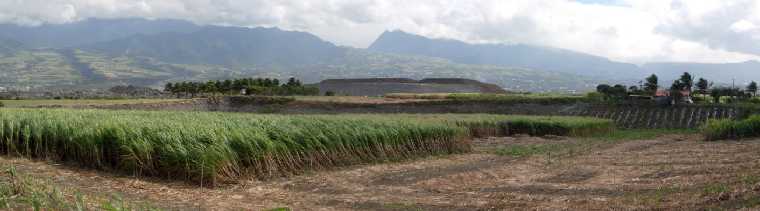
<point x="244" y="86"/>
<point x="684" y="86"/>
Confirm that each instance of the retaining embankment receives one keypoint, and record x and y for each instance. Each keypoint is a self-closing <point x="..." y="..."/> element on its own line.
<point x="659" y="117"/>
<point x="625" y="116"/>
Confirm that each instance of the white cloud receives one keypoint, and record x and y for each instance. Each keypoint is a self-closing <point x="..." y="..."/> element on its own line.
<point x="743" y="26"/>
<point x="69" y="13"/>
<point x="723" y="25"/>
<point x="629" y="30"/>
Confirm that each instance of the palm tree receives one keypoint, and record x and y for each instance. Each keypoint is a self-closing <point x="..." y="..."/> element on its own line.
<point x="752" y="88"/>
<point x="651" y="84"/>
<point x="687" y="81"/>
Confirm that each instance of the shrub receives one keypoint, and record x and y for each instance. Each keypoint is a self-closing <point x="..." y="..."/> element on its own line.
<point x="731" y="129"/>
<point x="754" y="100"/>
<point x="500" y="125"/>
<point x="595" y="97"/>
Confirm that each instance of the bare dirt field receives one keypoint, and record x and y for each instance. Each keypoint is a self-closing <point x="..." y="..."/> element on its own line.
<point x="672" y="172"/>
<point x="359" y="99"/>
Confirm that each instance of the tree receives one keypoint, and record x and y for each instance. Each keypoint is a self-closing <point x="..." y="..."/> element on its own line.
<point x="174" y="89"/>
<point x="634" y="90"/>
<point x="268" y="82"/>
<point x="716" y="94"/>
<point x="676" y="89"/>
<point x="258" y="86"/>
<point x="194" y="88"/>
<point x="619" y="92"/>
<point x="293" y="82"/>
<point x="613" y="93"/>
<point x="651" y="85"/>
<point x="603" y="89"/>
<point x="238" y="85"/>
<point x="227" y="86"/>
<point x="719" y="92"/>
<point x="168" y="87"/>
<point x="180" y="88"/>
<point x="752" y="88"/>
<point x="210" y="87"/>
<point x="702" y="86"/>
<point x="687" y="81"/>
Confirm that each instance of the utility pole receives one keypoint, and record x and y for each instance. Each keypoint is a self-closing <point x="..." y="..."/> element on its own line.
<point x="733" y="87"/>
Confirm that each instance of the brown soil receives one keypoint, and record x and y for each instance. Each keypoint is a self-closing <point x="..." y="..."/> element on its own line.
<point x="383" y="86"/>
<point x="357" y="100"/>
<point x="667" y="173"/>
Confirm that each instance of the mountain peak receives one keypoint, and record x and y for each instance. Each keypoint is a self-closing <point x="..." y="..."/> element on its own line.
<point x="397" y="32"/>
<point x="391" y="40"/>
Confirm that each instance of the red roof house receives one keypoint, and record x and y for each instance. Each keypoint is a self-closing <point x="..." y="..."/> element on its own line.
<point x="666" y="93"/>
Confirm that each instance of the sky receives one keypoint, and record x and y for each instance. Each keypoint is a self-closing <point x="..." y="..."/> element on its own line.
<point x="636" y="31"/>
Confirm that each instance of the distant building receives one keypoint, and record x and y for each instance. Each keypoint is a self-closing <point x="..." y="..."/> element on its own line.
<point x="664" y="95"/>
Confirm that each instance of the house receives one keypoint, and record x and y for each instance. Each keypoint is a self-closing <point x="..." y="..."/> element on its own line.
<point x="663" y="95"/>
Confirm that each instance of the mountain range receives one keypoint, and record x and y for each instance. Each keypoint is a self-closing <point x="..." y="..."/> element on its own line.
<point x="524" y="56"/>
<point x="228" y="46"/>
<point x="98" y="53"/>
<point x="560" y="60"/>
<point x="90" y="31"/>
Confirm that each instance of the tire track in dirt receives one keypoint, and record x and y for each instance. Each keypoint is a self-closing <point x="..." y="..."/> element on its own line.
<point x="413" y="176"/>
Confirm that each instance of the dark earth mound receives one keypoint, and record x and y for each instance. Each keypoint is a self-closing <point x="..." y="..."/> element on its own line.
<point x="382" y="86"/>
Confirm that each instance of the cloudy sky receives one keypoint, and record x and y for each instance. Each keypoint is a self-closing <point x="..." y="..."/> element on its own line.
<point x="635" y="31"/>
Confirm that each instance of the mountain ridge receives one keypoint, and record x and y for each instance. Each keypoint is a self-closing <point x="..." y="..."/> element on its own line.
<point x="232" y="46"/>
<point x="164" y="50"/>
<point x="90" y="31"/>
<point x="518" y="55"/>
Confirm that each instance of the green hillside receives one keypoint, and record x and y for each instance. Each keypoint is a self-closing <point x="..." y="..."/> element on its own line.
<point x="84" y="69"/>
<point x="56" y="68"/>
<point x="9" y="46"/>
<point x="36" y="68"/>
